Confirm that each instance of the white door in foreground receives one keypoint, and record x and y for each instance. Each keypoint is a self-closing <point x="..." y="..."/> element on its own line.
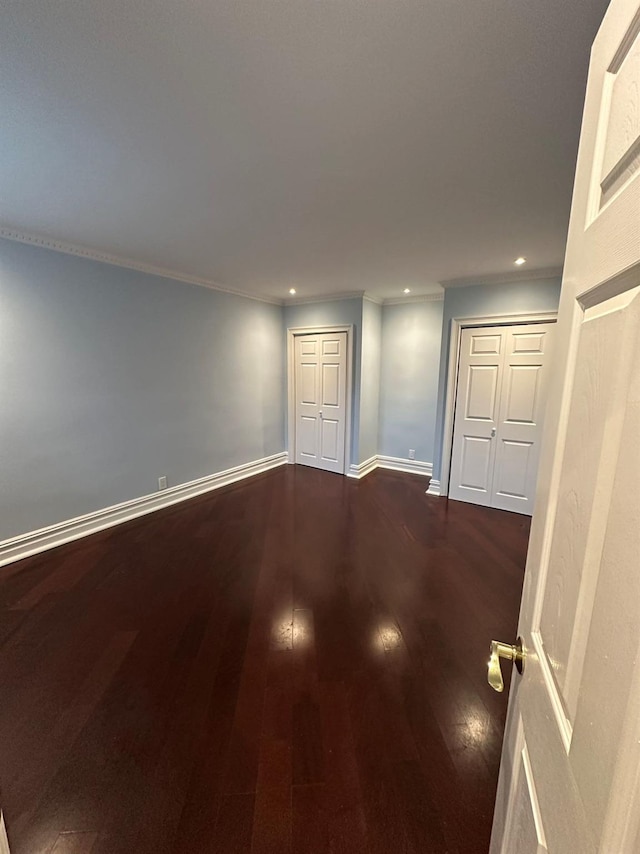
<point x="570" y="772"/>
<point x="500" y="401"/>
<point x="4" y="842"/>
<point x="321" y="401"/>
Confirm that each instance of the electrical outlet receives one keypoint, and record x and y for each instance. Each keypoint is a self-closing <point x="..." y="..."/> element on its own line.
<point x="412" y="454"/>
<point x="162" y="482"/>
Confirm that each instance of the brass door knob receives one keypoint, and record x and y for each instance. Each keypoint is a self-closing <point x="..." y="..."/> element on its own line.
<point x="509" y="651"/>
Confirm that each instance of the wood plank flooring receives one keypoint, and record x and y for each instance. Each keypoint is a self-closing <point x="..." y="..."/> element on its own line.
<point x="293" y="664"/>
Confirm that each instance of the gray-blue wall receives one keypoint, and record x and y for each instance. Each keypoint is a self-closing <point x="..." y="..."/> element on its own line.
<point x="486" y="301"/>
<point x="335" y="313"/>
<point x="411" y="334"/>
<point x="110" y="378"/>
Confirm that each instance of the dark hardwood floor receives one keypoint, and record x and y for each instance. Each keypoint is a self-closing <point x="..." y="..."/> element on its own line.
<point x="296" y="663"/>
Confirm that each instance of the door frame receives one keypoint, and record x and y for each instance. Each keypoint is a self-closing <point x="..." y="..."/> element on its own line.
<point x="455" y="337"/>
<point x="292" y="333"/>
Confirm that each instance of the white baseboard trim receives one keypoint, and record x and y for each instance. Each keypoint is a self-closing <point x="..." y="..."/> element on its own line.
<point x="33" y="542"/>
<point x="434" y="488"/>
<point x="379" y="461"/>
<point x="363" y="469"/>
<point x="402" y="464"/>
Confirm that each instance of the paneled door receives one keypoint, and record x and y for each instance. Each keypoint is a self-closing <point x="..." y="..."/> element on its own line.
<point x="320" y="399"/>
<point x="570" y="771"/>
<point x="500" y="401"/>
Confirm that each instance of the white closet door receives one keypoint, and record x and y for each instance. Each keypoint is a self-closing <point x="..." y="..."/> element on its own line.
<point x="476" y="417"/>
<point x="522" y="403"/>
<point x="321" y="381"/>
<point x="498" y="419"/>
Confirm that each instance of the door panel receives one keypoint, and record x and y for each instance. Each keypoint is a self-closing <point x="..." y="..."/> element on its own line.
<point x="482" y="391"/>
<point x="621" y="158"/>
<point x="522" y="386"/>
<point x="320" y="405"/>
<point x="329" y="442"/>
<point x="331" y="347"/>
<point x="577" y="704"/>
<point x="308" y="383"/>
<point x="513" y="469"/>
<point x="527" y="360"/>
<point x="307" y="436"/>
<point x="473" y="449"/>
<point x="583" y="499"/>
<point x="485" y="345"/>
<point x="526" y="833"/>
<point x="476" y="459"/>
<point x="528" y="342"/>
<point x="330" y="385"/>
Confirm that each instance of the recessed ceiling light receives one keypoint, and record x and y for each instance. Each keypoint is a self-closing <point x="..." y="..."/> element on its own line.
<point x="292" y="291"/>
<point x="406" y="291"/>
<point x="520" y="261"/>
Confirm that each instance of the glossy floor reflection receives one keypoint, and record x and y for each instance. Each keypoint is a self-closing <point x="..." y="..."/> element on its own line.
<point x="295" y="664"/>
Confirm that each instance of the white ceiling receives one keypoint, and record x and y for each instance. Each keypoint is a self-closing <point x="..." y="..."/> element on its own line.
<point x="330" y="145"/>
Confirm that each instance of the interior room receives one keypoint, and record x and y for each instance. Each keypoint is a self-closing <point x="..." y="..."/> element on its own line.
<point x="306" y="355"/>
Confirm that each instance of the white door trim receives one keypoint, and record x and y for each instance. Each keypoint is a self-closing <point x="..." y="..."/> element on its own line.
<point x="292" y="332"/>
<point x="457" y="325"/>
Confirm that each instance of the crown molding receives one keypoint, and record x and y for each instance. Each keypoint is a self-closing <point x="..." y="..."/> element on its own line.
<point x="504" y="278"/>
<point x="44" y="242"/>
<point x="363" y="295"/>
<point x="372" y="298"/>
<point x="324" y="298"/>
<point x="65" y="248"/>
<point x="417" y="298"/>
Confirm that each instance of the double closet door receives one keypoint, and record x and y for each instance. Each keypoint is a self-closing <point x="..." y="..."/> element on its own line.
<point x="321" y="400"/>
<point x="500" y="402"/>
